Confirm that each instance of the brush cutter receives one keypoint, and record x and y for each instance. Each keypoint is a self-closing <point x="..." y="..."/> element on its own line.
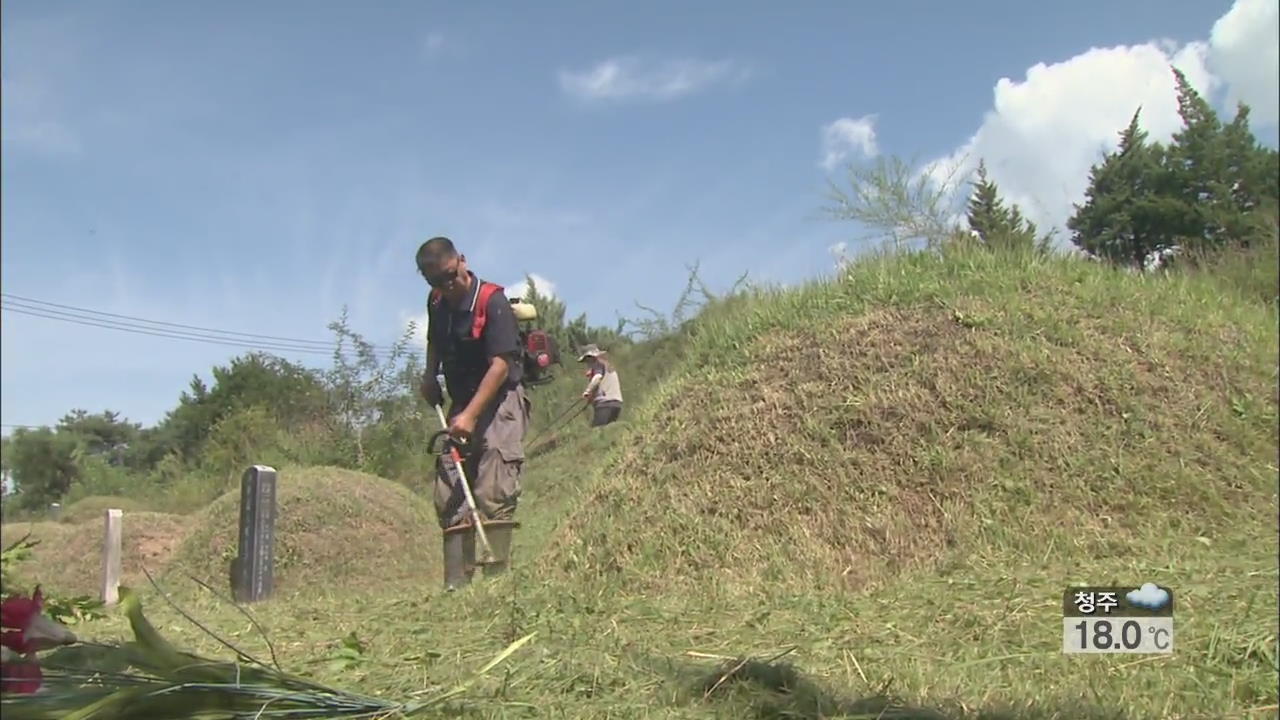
<point x="555" y="424"/>
<point x="487" y="558"/>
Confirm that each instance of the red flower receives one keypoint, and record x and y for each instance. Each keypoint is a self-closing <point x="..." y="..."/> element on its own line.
<point x="26" y="631"/>
<point x="16" y="615"/>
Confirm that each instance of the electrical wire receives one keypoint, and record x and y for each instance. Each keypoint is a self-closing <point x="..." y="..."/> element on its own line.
<point x="84" y="316"/>
<point x="181" y="326"/>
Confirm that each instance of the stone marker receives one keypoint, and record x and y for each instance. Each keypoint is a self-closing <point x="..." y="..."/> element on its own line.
<point x="111" y="548"/>
<point x="252" y="570"/>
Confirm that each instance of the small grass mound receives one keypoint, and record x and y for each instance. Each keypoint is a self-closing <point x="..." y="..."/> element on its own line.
<point x="333" y="526"/>
<point x="92" y="508"/>
<point x="68" y="560"/>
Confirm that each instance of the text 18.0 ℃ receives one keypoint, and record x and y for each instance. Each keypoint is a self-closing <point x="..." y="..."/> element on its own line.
<point x="1141" y="635"/>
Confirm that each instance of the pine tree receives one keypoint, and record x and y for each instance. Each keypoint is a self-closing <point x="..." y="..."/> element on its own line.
<point x="1198" y="169"/>
<point x="1250" y="180"/>
<point x="992" y="222"/>
<point x="985" y="209"/>
<point x="1126" y="216"/>
<point x="1200" y="192"/>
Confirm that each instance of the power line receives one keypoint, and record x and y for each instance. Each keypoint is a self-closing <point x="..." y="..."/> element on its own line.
<point x="153" y="333"/>
<point x="33" y="301"/>
<point x="82" y="316"/>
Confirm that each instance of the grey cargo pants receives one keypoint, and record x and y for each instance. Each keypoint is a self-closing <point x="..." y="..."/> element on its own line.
<point x="493" y="468"/>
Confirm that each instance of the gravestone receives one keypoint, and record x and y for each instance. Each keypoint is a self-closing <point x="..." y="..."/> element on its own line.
<point x="252" y="570"/>
<point x="112" y="538"/>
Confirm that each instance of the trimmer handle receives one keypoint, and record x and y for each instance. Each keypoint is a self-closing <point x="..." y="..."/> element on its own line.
<point x="448" y="444"/>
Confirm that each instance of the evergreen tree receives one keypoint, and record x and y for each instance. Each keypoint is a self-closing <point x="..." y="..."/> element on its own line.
<point x="1250" y="181"/>
<point x="1127" y="214"/>
<point x="995" y="224"/>
<point x="985" y="209"/>
<point x="1196" y="167"/>
<point x="1201" y="192"/>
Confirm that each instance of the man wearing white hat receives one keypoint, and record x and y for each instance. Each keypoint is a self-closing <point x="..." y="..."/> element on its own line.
<point x="604" y="390"/>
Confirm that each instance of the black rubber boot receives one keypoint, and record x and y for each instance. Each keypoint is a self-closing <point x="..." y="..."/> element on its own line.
<point x="459" y="559"/>
<point x="500" y="541"/>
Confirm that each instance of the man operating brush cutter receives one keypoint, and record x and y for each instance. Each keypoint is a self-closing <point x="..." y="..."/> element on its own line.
<point x="473" y="337"/>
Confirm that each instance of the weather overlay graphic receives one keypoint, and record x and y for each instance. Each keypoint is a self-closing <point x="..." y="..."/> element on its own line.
<point x="1118" y="619"/>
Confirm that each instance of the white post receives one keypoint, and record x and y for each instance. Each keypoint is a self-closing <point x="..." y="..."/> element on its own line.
<point x="111" y="548"/>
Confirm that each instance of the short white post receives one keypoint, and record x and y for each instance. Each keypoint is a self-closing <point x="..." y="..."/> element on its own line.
<point x="111" y="548"/>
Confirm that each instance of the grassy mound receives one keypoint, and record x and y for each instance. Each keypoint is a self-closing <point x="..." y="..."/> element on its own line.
<point x="923" y="411"/>
<point x="68" y="560"/>
<point x="333" y="526"/>
<point x="900" y="471"/>
<point x="92" y="508"/>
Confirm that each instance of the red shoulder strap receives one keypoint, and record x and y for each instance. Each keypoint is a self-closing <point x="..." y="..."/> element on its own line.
<point x="481" y="311"/>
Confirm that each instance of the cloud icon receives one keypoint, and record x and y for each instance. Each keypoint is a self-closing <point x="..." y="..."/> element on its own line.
<point x="1148" y="596"/>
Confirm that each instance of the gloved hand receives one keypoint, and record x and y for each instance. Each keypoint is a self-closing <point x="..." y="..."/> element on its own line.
<point x="431" y="389"/>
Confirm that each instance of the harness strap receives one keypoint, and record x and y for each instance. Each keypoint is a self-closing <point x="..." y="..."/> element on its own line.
<point x="479" y="306"/>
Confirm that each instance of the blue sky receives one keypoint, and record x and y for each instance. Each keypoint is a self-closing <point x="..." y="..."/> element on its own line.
<point x="255" y="166"/>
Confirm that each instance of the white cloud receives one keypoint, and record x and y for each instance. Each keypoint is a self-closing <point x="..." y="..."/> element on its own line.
<point x="1045" y="131"/>
<point x="544" y="286"/>
<point x="1244" y="50"/>
<point x="630" y="78"/>
<point x="844" y="136"/>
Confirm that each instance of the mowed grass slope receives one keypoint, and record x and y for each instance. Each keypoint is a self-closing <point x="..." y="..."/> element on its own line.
<point x="924" y="409"/>
<point x="925" y="453"/>
<point x="890" y="478"/>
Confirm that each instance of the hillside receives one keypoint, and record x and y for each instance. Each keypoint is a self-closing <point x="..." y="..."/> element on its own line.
<point x="920" y="411"/>
<point x="888" y="479"/>
<point x="904" y="468"/>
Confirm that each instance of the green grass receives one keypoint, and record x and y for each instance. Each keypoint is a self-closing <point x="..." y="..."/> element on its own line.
<point x="884" y="482"/>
